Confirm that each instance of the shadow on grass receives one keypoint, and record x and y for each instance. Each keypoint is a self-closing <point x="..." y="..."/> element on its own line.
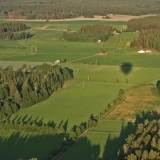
<point x="16" y="145"/>
<point x="126" y="67"/>
<point x="38" y="121"/>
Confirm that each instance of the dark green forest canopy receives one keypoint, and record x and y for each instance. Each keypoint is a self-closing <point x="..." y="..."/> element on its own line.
<point x="59" y="9"/>
<point x="90" y="33"/>
<point x="28" y="86"/>
<point x="149" y="28"/>
<point x="13" y="31"/>
<point x="145" y="143"/>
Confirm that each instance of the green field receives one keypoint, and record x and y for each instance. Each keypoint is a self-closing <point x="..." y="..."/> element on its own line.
<point x="97" y="80"/>
<point x="23" y="145"/>
<point x="74" y="104"/>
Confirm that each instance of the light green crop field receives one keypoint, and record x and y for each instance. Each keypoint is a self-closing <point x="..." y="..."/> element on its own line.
<point x="23" y="145"/>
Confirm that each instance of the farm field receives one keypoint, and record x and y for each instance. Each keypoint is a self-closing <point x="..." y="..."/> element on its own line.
<point x="23" y="145"/>
<point x="100" y="83"/>
<point x="62" y="107"/>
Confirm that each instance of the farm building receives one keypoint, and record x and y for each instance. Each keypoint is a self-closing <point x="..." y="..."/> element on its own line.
<point x="148" y="51"/>
<point x="103" y="53"/>
<point x="145" y="51"/>
<point x="141" y="51"/>
<point x="115" y="32"/>
<point x="57" y="62"/>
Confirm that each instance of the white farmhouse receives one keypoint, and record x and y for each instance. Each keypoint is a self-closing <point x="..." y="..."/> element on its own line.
<point x="141" y="51"/>
<point x="57" y="62"/>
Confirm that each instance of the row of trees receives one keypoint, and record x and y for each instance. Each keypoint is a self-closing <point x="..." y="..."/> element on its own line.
<point x="12" y="27"/>
<point x="90" y="33"/>
<point x="27" y="86"/>
<point x="15" y="35"/>
<point x="149" y="28"/>
<point x="145" y="143"/>
<point x="54" y="9"/>
<point x="13" y="31"/>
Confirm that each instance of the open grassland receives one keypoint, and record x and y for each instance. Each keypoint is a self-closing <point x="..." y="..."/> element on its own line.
<point x="23" y="145"/>
<point x="110" y="74"/>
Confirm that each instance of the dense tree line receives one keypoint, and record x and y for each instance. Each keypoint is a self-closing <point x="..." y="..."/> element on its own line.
<point x="145" y="143"/>
<point x="55" y="9"/>
<point x="26" y="87"/>
<point x="13" y="31"/>
<point x="90" y="33"/>
<point x="149" y="28"/>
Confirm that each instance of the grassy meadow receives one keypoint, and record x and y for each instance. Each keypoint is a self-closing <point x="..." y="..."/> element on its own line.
<point x="97" y="80"/>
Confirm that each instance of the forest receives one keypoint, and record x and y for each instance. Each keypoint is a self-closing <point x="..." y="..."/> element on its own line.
<point x="90" y="33"/>
<point x="13" y="31"/>
<point x="28" y="86"/>
<point x="145" y="143"/>
<point x="56" y="9"/>
<point x="149" y="28"/>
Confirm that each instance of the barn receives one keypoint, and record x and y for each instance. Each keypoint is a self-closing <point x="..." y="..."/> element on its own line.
<point x="103" y="53"/>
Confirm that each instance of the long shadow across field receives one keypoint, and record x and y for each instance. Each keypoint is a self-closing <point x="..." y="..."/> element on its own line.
<point x="39" y="122"/>
<point x="21" y="145"/>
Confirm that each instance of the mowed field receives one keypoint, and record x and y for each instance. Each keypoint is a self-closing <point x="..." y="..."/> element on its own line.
<point x="97" y="80"/>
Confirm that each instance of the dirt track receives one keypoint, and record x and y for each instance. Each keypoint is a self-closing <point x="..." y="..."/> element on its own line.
<point x="112" y="18"/>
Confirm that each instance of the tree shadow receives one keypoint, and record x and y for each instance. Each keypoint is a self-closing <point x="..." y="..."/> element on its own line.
<point x="158" y="83"/>
<point x="23" y="145"/>
<point x="70" y="71"/>
<point x="126" y="67"/>
<point x="83" y="149"/>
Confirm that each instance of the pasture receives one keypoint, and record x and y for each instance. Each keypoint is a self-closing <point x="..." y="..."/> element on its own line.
<point x="74" y="104"/>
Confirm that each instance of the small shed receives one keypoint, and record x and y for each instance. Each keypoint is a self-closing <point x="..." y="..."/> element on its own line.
<point x="141" y="51"/>
<point x="103" y="53"/>
<point x="57" y="62"/>
<point x="148" y="51"/>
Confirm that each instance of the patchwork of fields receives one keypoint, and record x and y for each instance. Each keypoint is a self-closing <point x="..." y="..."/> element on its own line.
<point x="97" y="80"/>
